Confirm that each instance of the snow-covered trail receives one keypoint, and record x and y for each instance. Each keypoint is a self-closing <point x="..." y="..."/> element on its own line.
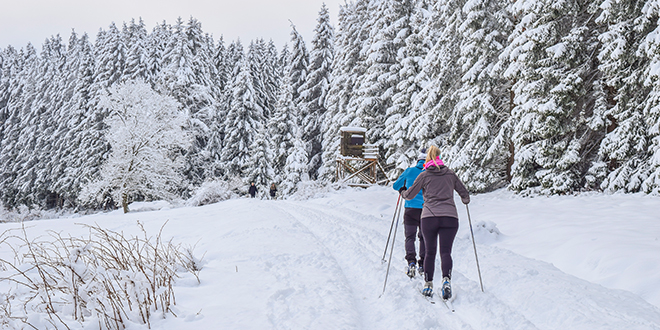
<point x="316" y="264"/>
<point x="358" y="242"/>
<point x="521" y="293"/>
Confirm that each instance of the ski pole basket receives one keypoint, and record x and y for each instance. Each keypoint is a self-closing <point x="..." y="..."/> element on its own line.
<point x="358" y="164"/>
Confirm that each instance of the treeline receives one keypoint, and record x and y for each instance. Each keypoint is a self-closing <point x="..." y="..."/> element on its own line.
<point x="54" y="128"/>
<point x="544" y="96"/>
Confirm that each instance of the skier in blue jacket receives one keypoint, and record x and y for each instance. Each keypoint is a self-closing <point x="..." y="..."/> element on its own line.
<point x="412" y="215"/>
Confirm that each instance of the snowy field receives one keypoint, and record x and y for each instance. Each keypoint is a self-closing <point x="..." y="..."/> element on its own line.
<point x="564" y="262"/>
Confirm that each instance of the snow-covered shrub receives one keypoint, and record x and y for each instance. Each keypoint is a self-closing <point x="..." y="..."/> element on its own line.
<point x="105" y="281"/>
<point x="486" y="232"/>
<point x="212" y="192"/>
<point x="5" y="215"/>
<point x="6" y="321"/>
<point x="149" y="206"/>
<point x="190" y="262"/>
<point x="24" y="213"/>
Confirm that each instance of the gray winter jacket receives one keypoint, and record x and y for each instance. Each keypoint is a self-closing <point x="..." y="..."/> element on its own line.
<point x="438" y="185"/>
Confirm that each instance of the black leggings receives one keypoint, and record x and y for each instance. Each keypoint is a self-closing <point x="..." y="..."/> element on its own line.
<point x="411" y="227"/>
<point x="432" y="228"/>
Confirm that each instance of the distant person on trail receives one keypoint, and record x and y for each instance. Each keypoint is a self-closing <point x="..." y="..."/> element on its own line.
<point x="273" y="191"/>
<point x="253" y="190"/>
<point x="439" y="216"/>
<point x="412" y="216"/>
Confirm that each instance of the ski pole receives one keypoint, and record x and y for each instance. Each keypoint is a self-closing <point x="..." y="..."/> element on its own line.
<point x="475" y="247"/>
<point x="391" y="226"/>
<point x="391" y="250"/>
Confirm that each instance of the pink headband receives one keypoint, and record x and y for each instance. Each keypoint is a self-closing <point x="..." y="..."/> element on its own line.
<point x="437" y="162"/>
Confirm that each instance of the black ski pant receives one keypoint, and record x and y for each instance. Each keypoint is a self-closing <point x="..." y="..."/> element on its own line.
<point x="411" y="226"/>
<point x="444" y="228"/>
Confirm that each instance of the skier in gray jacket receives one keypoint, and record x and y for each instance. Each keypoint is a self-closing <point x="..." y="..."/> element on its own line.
<point x="439" y="216"/>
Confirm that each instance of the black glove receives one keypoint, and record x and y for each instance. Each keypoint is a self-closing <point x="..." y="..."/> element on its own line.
<point x="402" y="189"/>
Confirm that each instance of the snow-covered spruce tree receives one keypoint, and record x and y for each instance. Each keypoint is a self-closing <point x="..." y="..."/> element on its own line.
<point x="553" y="58"/>
<point x="187" y="67"/>
<point x="187" y="76"/>
<point x="78" y="150"/>
<point x="479" y="151"/>
<point x="15" y="146"/>
<point x="213" y="150"/>
<point x="21" y="85"/>
<point x="388" y="26"/>
<point x="9" y="67"/>
<point x="137" y="65"/>
<point x="262" y="72"/>
<point x="157" y="42"/>
<point x="221" y="63"/>
<point x="297" y="69"/>
<point x="12" y="60"/>
<point x="47" y="114"/>
<point x="59" y="139"/>
<point x="315" y="89"/>
<point x="347" y="66"/>
<point x="282" y="127"/>
<point x="216" y="113"/>
<point x="440" y="76"/>
<point x="33" y="106"/>
<point x="243" y="121"/>
<point x="650" y="47"/>
<point x="622" y="152"/>
<point x="283" y="60"/>
<point x="259" y="169"/>
<point x="298" y="63"/>
<point x="399" y="149"/>
<point x="206" y="56"/>
<point x="229" y="67"/>
<point x="295" y="170"/>
<point x="103" y="67"/>
<point x="235" y="55"/>
<point x="110" y="58"/>
<point x="147" y="136"/>
<point x="272" y="75"/>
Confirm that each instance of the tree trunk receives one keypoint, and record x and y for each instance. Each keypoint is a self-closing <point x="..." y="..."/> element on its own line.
<point x="509" y="164"/>
<point x="124" y="202"/>
<point x="512" y="149"/>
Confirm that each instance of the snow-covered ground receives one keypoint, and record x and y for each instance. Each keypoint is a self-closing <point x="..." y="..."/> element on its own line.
<point x="568" y="262"/>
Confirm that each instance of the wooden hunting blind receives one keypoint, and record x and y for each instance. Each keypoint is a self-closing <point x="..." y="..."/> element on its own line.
<point x="358" y="163"/>
<point x="352" y="141"/>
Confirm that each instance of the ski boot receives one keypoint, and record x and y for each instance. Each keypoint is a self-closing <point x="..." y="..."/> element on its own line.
<point x="411" y="270"/>
<point x="420" y="270"/>
<point x="446" y="288"/>
<point x="428" y="289"/>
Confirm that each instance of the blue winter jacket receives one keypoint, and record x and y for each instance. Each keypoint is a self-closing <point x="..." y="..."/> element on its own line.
<point x="408" y="178"/>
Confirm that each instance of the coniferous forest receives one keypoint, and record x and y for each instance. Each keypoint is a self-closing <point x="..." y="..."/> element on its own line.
<point x="549" y="97"/>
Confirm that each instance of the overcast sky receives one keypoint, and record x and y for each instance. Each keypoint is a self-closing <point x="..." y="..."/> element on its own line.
<point x="35" y="20"/>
